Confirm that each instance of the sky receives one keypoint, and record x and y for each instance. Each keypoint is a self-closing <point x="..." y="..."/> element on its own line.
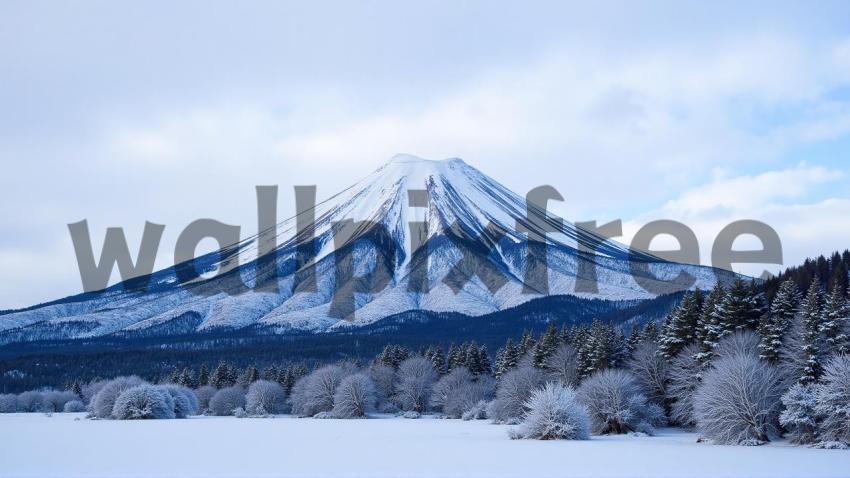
<point x="121" y="113"/>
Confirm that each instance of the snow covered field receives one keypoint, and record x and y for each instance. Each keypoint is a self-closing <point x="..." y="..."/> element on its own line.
<point x="68" y="445"/>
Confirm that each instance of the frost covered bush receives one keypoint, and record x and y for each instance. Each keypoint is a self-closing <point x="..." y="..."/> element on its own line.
<point x="833" y="400"/>
<point x="74" y="406"/>
<point x="383" y="376"/>
<point x="185" y="401"/>
<point x="354" y="397"/>
<point x="144" y="402"/>
<point x="265" y="398"/>
<point x="738" y="401"/>
<point x="227" y="400"/>
<point x="513" y="392"/>
<point x="55" y="400"/>
<point x="616" y="405"/>
<point x="799" y="417"/>
<point x="416" y="377"/>
<point x="8" y="403"/>
<point x="476" y="412"/>
<point x="554" y="413"/>
<point x="684" y="375"/>
<point x="90" y="390"/>
<point x="314" y="393"/>
<point x="30" y="401"/>
<point x="204" y="394"/>
<point x="561" y="365"/>
<point x="458" y="391"/>
<point x="103" y="401"/>
<point x="650" y="371"/>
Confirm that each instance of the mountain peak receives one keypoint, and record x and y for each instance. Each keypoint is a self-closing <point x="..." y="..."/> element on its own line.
<point x="404" y="158"/>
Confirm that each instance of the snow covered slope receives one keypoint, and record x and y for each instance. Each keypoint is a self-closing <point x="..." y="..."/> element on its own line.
<point x="467" y="213"/>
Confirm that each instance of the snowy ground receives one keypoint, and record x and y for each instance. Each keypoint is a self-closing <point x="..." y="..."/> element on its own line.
<point x="67" y="445"/>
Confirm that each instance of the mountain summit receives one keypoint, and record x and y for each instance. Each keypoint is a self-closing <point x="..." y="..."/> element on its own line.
<point x="427" y="235"/>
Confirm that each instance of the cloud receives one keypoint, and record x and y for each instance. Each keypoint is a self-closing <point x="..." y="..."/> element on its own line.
<point x="781" y="199"/>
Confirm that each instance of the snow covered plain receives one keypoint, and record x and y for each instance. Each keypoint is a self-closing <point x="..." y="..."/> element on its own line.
<point x="35" y="445"/>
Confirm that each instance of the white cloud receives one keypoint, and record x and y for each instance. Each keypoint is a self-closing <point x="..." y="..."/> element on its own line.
<point x="779" y="198"/>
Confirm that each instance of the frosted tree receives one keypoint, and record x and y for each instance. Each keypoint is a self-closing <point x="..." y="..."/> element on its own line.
<point x="416" y="377"/>
<point x="55" y="400"/>
<point x="833" y="400"/>
<point x="265" y="397"/>
<point x="514" y="390"/>
<point x="554" y="413"/>
<point x="616" y="405"/>
<point x="509" y="358"/>
<point x="103" y="401"/>
<point x="185" y="401"/>
<point x="227" y="400"/>
<point x="30" y="401"/>
<point x="684" y="374"/>
<point x="650" y="371"/>
<point x="836" y="316"/>
<point x="438" y="359"/>
<point x="383" y="377"/>
<point x="144" y="402"/>
<point x="784" y="307"/>
<point x="526" y="343"/>
<point x="314" y="393"/>
<point x="204" y="393"/>
<point x="457" y="392"/>
<point x="812" y="315"/>
<point x="8" y="403"/>
<point x="738" y="401"/>
<point x="355" y="396"/>
<point x="561" y="365"/>
<point x="73" y="406"/>
<point x="800" y="417"/>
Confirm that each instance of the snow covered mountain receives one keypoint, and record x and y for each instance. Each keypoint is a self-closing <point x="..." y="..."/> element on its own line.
<point x="467" y="213"/>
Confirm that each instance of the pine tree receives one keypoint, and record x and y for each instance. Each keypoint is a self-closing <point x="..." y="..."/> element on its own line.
<point x="681" y="325"/>
<point x="221" y="376"/>
<point x="739" y="309"/>
<point x="203" y="376"/>
<point x="186" y="379"/>
<point x="649" y="333"/>
<point x="473" y="361"/>
<point x="812" y="313"/>
<point x="708" y="329"/>
<point x="526" y="343"/>
<point x="784" y="307"/>
<point x="452" y="358"/>
<point x="439" y="360"/>
<point x="77" y="388"/>
<point x="634" y="338"/>
<point x="510" y="357"/>
<point x="565" y="335"/>
<point x="484" y="360"/>
<point x="546" y="346"/>
<point x="835" y="321"/>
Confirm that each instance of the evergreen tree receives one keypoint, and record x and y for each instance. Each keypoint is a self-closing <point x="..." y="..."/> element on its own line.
<point x="708" y="329"/>
<point x="484" y="360"/>
<point x="221" y="376"/>
<point x="681" y="324"/>
<point x="77" y="388"/>
<point x="186" y="379"/>
<point x="526" y="343"/>
<point x="812" y="313"/>
<point x="473" y="360"/>
<point x="835" y="320"/>
<point x="203" y="376"/>
<point x="439" y="360"/>
<point x="452" y="358"/>
<point x="565" y="335"/>
<point x="546" y="346"/>
<point x="739" y="309"/>
<point x="510" y="357"/>
<point x="649" y="333"/>
<point x="784" y="307"/>
<point x="634" y="338"/>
